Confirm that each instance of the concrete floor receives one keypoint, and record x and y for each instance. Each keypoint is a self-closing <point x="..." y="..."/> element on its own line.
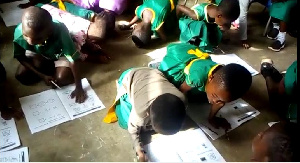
<point x="89" y="139"/>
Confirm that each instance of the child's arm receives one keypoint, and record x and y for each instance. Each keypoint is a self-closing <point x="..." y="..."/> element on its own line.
<point x="184" y="88"/>
<point x="128" y="26"/>
<point x="183" y="10"/>
<point x="216" y="121"/>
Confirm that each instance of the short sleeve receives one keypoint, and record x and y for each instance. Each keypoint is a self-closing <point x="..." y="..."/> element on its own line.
<point x="18" y="50"/>
<point x="139" y="11"/>
<point x="199" y="11"/>
<point x="18" y="39"/>
<point x="68" y="46"/>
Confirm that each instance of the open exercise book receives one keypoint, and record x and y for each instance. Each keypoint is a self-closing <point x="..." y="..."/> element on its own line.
<point x="236" y="113"/>
<point x="9" y="138"/>
<point x="52" y="107"/>
<point x="185" y="146"/>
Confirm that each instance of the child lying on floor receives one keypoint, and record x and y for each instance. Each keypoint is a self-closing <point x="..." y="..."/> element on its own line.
<point x="83" y="33"/>
<point x="201" y="24"/>
<point x="192" y="70"/>
<point x="279" y="143"/>
<point x="46" y="51"/>
<point x="157" y="17"/>
<point x="102" y="21"/>
<point x="147" y="100"/>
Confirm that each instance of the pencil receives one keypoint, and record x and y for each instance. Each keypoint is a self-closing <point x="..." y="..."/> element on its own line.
<point x="55" y="84"/>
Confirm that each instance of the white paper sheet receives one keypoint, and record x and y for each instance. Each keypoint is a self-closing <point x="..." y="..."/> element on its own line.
<point x="52" y="107"/>
<point x="9" y="138"/>
<point x="43" y="110"/>
<point x="185" y="146"/>
<point x="232" y="58"/>
<point x="76" y="110"/>
<point x="16" y="155"/>
<point x="236" y="113"/>
<point x="11" y="13"/>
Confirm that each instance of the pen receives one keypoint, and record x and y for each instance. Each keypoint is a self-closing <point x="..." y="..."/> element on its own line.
<point x="55" y="84"/>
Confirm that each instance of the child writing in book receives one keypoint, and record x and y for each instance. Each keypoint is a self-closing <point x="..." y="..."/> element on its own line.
<point x="279" y="143"/>
<point x="6" y="111"/>
<point x="192" y="70"/>
<point x="46" y="51"/>
<point x="157" y="18"/>
<point x="282" y="90"/>
<point x="147" y="100"/>
<point x="201" y="24"/>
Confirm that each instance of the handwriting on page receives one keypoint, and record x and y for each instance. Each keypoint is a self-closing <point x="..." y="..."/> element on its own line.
<point x="16" y="155"/>
<point x="9" y="135"/>
<point x="43" y="110"/>
<point x="75" y="110"/>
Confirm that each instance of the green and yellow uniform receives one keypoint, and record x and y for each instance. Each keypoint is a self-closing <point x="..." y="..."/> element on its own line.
<point x="187" y="63"/>
<point x="66" y="5"/>
<point x="290" y="84"/>
<point x="163" y="12"/>
<point x="208" y="32"/>
<point x="281" y="10"/>
<point x="57" y="45"/>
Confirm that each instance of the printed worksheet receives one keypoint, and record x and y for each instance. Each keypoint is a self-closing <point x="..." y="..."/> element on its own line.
<point x="9" y="135"/>
<point x="52" y="107"/>
<point x="16" y="155"/>
<point x="232" y="58"/>
<point x="236" y="113"/>
<point x="185" y="146"/>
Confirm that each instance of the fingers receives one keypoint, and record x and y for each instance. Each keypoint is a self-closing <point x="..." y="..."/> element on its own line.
<point x="72" y="94"/>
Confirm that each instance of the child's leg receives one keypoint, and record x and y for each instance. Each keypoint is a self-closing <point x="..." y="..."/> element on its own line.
<point x="63" y="74"/>
<point x="28" y="77"/>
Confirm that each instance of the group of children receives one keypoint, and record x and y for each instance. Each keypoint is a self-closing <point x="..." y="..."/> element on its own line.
<point x="55" y="35"/>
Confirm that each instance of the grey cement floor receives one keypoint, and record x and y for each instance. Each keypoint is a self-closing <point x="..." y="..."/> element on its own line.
<point x="89" y="139"/>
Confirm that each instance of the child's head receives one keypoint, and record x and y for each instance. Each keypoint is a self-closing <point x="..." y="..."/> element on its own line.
<point x="141" y="35"/>
<point x="279" y="143"/>
<point x="167" y="113"/>
<point x="103" y="24"/>
<point x="36" y="25"/>
<point x="228" y="83"/>
<point x="227" y="12"/>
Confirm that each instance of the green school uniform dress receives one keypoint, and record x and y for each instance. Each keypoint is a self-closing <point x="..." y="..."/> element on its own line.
<point x="281" y="10"/>
<point x="71" y="8"/>
<point x="186" y="62"/>
<point x="57" y="45"/>
<point x="208" y="32"/>
<point x="163" y="12"/>
<point x="290" y="84"/>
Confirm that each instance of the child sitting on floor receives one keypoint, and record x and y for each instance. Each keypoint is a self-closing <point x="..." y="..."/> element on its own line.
<point x="147" y="100"/>
<point x="192" y="70"/>
<point x="157" y="18"/>
<point x="6" y="111"/>
<point x="282" y="90"/>
<point x="201" y="24"/>
<point x="46" y="51"/>
<point x="279" y="143"/>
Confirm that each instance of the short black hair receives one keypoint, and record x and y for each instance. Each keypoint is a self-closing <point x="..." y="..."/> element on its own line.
<point x="167" y="113"/>
<point x="36" y="18"/>
<point x="230" y="9"/>
<point x="234" y="78"/>
<point x="142" y="35"/>
<point x="283" y="144"/>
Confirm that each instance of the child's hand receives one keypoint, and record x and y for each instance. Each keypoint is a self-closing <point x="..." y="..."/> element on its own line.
<point x="8" y="113"/>
<point x="47" y="79"/>
<point x="142" y="157"/>
<point x="79" y="94"/>
<point x="220" y="122"/>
